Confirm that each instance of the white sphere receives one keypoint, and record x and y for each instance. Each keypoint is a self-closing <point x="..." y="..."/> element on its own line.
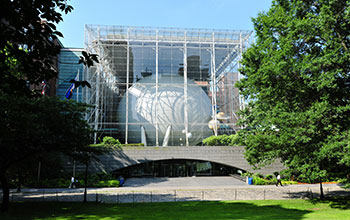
<point x="170" y="111"/>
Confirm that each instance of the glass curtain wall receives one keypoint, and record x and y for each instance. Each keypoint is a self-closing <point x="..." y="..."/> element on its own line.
<point x="163" y="86"/>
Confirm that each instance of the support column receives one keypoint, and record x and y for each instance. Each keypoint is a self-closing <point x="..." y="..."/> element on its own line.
<point x="185" y="90"/>
<point x="97" y="94"/>
<point x="213" y="85"/>
<point x="127" y="88"/>
<point x="241" y="44"/>
<point x="97" y="108"/>
<point x="156" y="99"/>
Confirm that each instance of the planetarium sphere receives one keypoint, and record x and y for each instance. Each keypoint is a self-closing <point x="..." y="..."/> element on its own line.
<point x="143" y="108"/>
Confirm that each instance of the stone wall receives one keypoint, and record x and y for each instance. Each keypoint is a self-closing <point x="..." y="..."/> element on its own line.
<point x="127" y="156"/>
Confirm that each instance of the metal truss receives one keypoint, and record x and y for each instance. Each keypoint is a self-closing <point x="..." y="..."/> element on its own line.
<point x="107" y="86"/>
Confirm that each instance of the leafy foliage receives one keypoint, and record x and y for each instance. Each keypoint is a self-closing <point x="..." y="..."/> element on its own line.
<point x="297" y="83"/>
<point x="88" y="59"/>
<point x="222" y="140"/>
<point x="28" y="37"/>
<point x="32" y="127"/>
<point x="111" y="141"/>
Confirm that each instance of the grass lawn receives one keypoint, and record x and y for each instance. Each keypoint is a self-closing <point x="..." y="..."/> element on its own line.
<point x="221" y="210"/>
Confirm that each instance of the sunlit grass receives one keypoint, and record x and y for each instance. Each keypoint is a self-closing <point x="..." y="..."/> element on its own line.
<point x="224" y="210"/>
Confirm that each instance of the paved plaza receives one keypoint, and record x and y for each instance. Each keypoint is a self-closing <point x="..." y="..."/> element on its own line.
<point x="138" y="190"/>
<point x="181" y="182"/>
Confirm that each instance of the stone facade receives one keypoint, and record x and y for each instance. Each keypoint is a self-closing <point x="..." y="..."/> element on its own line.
<point x="128" y="156"/>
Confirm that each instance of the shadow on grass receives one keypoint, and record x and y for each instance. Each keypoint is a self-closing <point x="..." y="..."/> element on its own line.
<point x="154" y="211"/>
<point x="337" y="202"/>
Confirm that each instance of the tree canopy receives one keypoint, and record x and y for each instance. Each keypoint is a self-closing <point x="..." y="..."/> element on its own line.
<point x="297" y="85"/>
<point x="32" y="125"/>
<point x="28" y="45"/>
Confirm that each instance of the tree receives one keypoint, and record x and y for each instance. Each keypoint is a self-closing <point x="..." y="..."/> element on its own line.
<point x="28" y="37"/>
<point x="31" y="125"/>
<point x="297" y="84"/>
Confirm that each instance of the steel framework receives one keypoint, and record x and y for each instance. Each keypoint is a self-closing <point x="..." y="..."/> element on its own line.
<point x="210" y="58"/>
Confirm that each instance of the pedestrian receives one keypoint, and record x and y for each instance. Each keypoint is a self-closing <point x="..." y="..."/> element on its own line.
<point x="279" y="180"/>
<point x="72" y="183"/>
<point x="121" y="180"/>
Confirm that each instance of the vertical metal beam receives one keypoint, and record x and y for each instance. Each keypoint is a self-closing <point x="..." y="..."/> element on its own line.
<point x="213" y="86"/>
<point x="97" y="105"/>
<point x="241" y="98"/>
<point x="97" y="95"/>
<point x="156" y="99"/>
<point x="127" y="88"/>
<point x="185" y="90"/>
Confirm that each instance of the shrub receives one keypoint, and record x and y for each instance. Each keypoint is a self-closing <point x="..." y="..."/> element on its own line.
<point x="269" y="177"/>
<point x="258" y="175"/>
<point x="111" y="141"/>
<point x="107" y="183"/>
<point x="134" y="145"/>
<point x="222" y="140"/>
<point x="260" y="181"/>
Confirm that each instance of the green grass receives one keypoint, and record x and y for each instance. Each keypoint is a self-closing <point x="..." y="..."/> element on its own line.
<point x="224" y="210"/>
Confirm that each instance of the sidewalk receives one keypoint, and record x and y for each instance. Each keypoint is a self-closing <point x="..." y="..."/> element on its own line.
<point x="179" y="193"/>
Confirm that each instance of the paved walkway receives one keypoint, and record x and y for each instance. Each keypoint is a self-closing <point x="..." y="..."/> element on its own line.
<point x="183" y="182"/>
<point x="180" y="189"/>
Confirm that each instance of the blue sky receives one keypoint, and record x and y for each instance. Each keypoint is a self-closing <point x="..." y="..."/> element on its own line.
<point x="211" y="14"/>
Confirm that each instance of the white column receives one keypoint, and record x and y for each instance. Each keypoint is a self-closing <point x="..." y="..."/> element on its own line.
<point x="127" y="87"/>
<point x="241" y="98"/>
<point x="185" y="90"/>
<point x="213" y="86"/>
<point x="97" y="98"/>
<point x="156" y="99"/>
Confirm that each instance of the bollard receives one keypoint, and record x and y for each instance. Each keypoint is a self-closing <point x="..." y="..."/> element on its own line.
<point x="264" y="194"/>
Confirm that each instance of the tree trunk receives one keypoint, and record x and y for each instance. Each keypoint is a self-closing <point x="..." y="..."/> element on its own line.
<point x="321" y="190"/>
<point x="85" y="191"/>
<point x="5" y="191"/>
<point x="19" y="181"/>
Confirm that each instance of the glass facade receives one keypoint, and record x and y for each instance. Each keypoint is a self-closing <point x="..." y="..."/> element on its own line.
<point x="162" y="86"/>
<point x="69" y="68"/>
<point x="176" y="168"/>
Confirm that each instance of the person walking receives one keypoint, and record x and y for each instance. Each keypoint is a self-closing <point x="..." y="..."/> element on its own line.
<point x="72" y="183"/>
<point x="279" y="180"/>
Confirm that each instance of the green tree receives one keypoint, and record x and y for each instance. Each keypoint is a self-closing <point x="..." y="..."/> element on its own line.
<point x="36" y="127"/>
<point x="297" y="84"/>
<point x="28" y="35"/>
<point x="31" y="125"/>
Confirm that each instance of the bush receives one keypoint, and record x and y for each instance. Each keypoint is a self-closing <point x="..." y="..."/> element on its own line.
<point x="134" y="145"/>
<point x="260" y="181"/>
<point x="107" y="183"/>
<point x="111" y="141"/>
<point x="269" y="177"/>
<point x="222" y="140"/>
<point x="258" y="175"/>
